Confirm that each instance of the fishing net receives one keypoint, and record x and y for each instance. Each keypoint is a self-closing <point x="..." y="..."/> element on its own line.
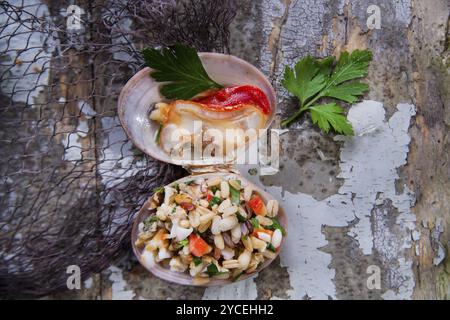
<point x="71" y="181"/>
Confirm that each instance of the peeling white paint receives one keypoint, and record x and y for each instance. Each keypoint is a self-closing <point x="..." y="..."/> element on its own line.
<point x="122" y="41"/>
<point x="86" y="109"/>
<point x="73" y="150"/>
<point x="402" y="10"/>
<point x="82" y="128"/>
<point x="307" y="265"/>
<point x="405" y="290"/>
<point x="272" y="11"/>
<point x="241" y="290"/>
<point x="23" y="43"/>
<point x="369" y="163"/>
<point x="117" y="161"/>
<point x="121" y="35"/>
<point x="417" y="250"/>
<point x="88" y="283"/>
<point x="72" y="145"/>
<point x="119" y="285"/>
<point x="439" y="255"/>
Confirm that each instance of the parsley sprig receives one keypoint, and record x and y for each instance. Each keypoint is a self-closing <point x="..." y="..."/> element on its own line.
<point x="181" y="70"/>
<point x="313" y="79"/>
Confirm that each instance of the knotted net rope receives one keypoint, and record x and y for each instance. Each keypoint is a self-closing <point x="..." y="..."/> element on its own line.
<point x="71" y="181"/>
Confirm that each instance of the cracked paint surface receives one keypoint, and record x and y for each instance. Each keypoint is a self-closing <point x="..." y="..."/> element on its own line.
<point x="119" y="289"/>
<point x="368" y="163"/>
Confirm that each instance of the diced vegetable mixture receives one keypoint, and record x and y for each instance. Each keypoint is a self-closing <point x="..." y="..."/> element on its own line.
<point x="214" y="228"/>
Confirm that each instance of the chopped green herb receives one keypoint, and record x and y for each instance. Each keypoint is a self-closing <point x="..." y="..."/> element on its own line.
<point x="149" y="220"/>
<point x="271" y="247"/>
<point x="240" y="217"/>
<point x="197" y="260"/>
<point x="214" y="200"/>
<point x="255" y="223"/>
<point x="276" y="225"/>
<point x="174" y="209"/>
<point x="182" y="243"/>
<point x="212" y="270"/>
<point x="214" y="189"/>
<point x="158" y="189"/>
<point x="235" y="195"/>
<point x="176" y="186"/>
<point x="158" y="134"/>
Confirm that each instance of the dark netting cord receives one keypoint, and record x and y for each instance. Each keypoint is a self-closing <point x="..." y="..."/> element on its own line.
<point x="71" y="181"/>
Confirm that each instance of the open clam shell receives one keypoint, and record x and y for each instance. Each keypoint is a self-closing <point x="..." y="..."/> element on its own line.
<point x="141" y="92"/>
<point x="184" y="278"/>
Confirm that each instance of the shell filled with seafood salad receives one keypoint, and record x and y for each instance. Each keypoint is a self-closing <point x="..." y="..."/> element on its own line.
<point x="209" y="229"/>
<point x="164" y="128"/>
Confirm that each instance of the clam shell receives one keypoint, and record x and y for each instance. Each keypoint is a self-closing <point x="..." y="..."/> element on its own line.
<point x="141" y="92"/>
<point x="184" y="278"/>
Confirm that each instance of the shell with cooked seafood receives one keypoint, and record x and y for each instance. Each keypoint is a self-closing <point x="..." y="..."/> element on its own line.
<point x="201" y="245"/>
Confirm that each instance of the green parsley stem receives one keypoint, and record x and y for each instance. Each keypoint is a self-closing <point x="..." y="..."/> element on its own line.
<point x="292" y="118"/>
<point x="285" y="123"/>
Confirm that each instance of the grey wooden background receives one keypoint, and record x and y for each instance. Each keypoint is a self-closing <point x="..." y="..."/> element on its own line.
<point x="382" y="199"/>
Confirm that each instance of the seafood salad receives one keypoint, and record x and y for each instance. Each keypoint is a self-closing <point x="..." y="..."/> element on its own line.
<point x="216" y="228"/>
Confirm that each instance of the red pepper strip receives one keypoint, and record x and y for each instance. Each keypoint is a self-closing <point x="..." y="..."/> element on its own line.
<point x="197" y="246"/>
<point x="233" y="98"/>
<point x="257" y="205"/>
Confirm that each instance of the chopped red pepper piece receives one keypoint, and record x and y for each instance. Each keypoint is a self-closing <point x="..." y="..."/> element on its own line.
<point x="233" y="98"/>
<point x="256" y="230"/>
<point x="197" y="246"/>
<point x="257" y="205"/>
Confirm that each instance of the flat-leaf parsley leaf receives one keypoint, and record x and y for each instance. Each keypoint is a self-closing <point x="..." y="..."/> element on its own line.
<point x="181" y="70"/>
<point x="313" y="79"/>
